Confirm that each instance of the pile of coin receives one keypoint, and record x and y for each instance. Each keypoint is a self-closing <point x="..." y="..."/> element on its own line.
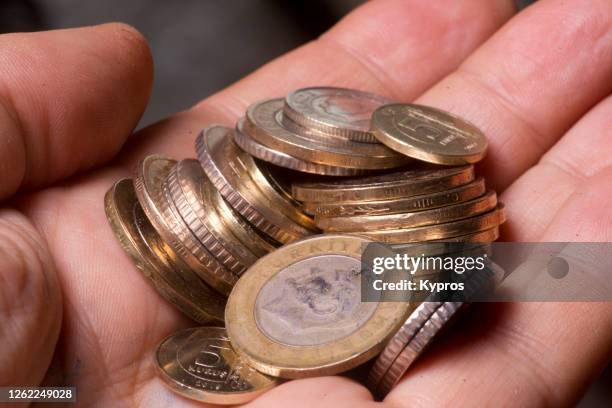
<point x="237" y="222"/>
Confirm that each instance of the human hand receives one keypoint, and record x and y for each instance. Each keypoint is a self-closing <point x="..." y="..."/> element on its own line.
<point x="539" y="88"/>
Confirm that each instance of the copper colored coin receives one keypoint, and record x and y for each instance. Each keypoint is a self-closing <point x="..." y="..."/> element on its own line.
<point x="199" y="363"/>
<point x="297" y="312"/>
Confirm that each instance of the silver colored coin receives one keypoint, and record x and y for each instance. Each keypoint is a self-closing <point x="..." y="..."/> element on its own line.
<point x="334" y="111"/>
<point x="262" y="152"/>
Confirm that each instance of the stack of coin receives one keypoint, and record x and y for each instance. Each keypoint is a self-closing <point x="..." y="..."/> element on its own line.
<point x="440" y="200"/>
<point x="345" y="162"/>
<point x="317" y="130"/>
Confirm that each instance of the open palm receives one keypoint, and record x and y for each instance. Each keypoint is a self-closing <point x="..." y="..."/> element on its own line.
<point x="75" y="311"/>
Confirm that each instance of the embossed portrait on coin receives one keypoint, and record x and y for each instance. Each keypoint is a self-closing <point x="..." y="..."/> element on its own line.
<point x="347" y="108"/>
<point x="313" y="301"/>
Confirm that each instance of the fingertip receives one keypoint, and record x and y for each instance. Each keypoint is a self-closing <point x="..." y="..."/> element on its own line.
<point x="72" y="97"/>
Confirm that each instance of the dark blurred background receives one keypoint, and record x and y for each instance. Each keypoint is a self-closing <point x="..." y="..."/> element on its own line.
<point x="208" y="43"/>
<point x="200" y="46"/>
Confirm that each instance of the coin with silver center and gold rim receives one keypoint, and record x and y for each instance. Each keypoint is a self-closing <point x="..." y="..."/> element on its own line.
<point x="199" y="363"/>
<point x="297" y="312"/>
<point x="428" y="134"/>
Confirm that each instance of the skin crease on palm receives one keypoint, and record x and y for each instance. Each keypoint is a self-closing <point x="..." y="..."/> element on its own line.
<point x="74" y="310"/>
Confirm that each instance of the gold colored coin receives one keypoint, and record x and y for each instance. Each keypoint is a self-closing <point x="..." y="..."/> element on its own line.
<point x="236" y="176"/>
<point x="264" y="124"/>
<point x="171" y="278"/>
<point x="421" y="202"/>
<point x="467" y="226"/>
<point x="199" y="363"/>
<point x="297" y="312"/>
<point x="428" y="134"/>
<point x="479" y="205"/>
<point x="161" y="210"/>
<point x="405" y="183"/>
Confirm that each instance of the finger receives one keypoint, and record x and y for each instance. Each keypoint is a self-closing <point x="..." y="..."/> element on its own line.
<point x="581" y="154"/>
<point x="531" y="81"/>
<point x="68" y="100"/>
<point x="337" y="392"/>
<point x="30" y="302"/>
<point x="392" y="47"/>
<point x="533" y="354"/>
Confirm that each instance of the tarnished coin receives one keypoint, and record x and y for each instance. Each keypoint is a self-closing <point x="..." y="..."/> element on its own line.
<point x="388" y="186"/>
<point x="333" y="111"/>
<point x="236" y="176"/>
<point x="263" y="123"/>
<point x="428" y="134"/>
<point x="421" y="202"/>
<point x="172" y="279"/>
<point x="196" y="200"/>
<point x="156" y="201"/>
<point x="467" y="226"/>
<point x="297" y="312"/>
<point x="377" y="222"/>
<point x="199" y="363"/>
<point x="256" y="149"/>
